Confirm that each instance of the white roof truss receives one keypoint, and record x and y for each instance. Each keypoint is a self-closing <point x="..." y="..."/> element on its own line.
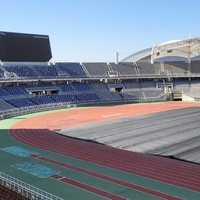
<point x="185" y="48"/>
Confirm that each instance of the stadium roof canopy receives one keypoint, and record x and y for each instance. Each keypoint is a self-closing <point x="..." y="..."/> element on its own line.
<point x="138" y="55"/>
<point x="174" y="50"/>
<point x="180" y="48"/>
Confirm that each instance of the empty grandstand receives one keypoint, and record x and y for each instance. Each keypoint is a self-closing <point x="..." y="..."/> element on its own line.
<point x="37" y="85"/>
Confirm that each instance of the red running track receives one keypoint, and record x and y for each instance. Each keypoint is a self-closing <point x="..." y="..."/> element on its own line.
<point x="88" y="188"/>
<point x="107" y="178"/>
<point x="153" y="167"/>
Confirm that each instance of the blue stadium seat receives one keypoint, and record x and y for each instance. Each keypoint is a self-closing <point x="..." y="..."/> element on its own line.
<point x="72" y="69"/>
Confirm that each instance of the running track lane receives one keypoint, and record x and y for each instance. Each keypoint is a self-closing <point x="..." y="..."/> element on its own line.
<point x="87" y="187"/>
<point x="110" y="157"/>
<point x="110" y="179"/>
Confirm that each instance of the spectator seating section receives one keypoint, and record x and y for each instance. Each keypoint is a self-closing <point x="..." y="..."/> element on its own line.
<point x="146" y="68"/>
<point x="1" y="72"/>
<point x="5" y="106"/>
<point x="99" y="86"/>
<point x="194" y="93"/>
<point x="147" y="85"/>
<point x="103" y="91"/>
<point x="132" y="85"/>
<point x="158" y="69"/>
<point x="97" y="69"/>
<point x="42" y="100"/>
<point x="195" y="84"/>
<point x="20" y="102"/>
<point x="71" y="69"/>
<point x="124" y="68"/>
<point x="4" y="93"/>
<point x="14" y="90"/>
<point x="66" y="88"/>
<point x="94" y="91"/>
<point x="195" y="67"/>
<point x="181" y="85"/>
<point x="81" y="86"/>
<point x="69" y="98"/>
<point x="106" y="95"/>
<point x="174" y="67"/>
<point x="45" y="71"/>
<point x="23" y="71"/>
<point x="27" y="88"/>
<point x="152" y="93"/>
<point x="100" y="69"/>
<point x="133" y="94"/>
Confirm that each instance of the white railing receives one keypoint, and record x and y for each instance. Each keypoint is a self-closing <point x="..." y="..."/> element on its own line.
<point x="25" y="189"/>
<point x="31" y="109"/>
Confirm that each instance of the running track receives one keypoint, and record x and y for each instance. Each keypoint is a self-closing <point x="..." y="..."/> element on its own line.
<point x="152" y="167"/>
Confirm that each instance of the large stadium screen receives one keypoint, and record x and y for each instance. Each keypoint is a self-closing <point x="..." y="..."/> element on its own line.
<point x="20" y="47"/>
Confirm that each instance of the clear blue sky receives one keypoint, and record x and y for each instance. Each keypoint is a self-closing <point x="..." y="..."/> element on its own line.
<point x="93" y="30"/>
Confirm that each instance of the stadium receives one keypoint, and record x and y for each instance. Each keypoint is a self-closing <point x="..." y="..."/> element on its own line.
<point x="118" y="130"/>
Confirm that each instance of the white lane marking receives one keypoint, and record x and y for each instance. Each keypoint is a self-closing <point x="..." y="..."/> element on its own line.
<point x="112" y="115"/>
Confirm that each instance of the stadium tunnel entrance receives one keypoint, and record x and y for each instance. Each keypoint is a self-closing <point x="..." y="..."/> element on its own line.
<point x="177" y="96"/>
<point x="116" y="87"/>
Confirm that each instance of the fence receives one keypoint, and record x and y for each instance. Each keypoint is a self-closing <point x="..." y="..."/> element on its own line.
<point x="25" y="189"/>
<point x="39" y="108"/>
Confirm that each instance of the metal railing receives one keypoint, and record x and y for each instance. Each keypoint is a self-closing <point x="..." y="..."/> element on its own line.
<point x="25" y="189"/>
<point x="4" y="114"/>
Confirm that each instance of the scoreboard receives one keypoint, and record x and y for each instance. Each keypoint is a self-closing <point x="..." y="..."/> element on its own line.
<point x="21" y="47"/>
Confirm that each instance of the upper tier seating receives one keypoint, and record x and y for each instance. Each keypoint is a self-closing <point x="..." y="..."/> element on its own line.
<point x="45" y="71"/>
<point x="195" y="67"/>
<point x="124" y="69"/>
<point x="97" y="69"/>
<point x="24" y="71"/>
<point x="174" y="67"/>
<point x="71" y="69"/>
<point x="157" y="68"/>
<point x="146" y="68"/>
<point x="76" y="70"/>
